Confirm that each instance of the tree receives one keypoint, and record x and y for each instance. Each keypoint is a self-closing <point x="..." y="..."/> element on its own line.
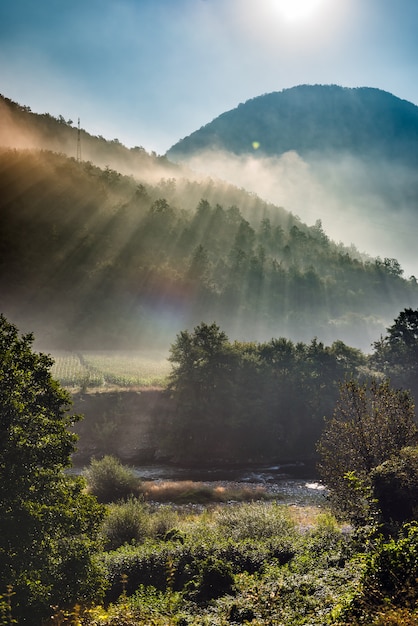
<point x="202" y="387"/>
<point x="396" y="355"/>
<point x="48" y="523"/>
<point x="395" y="485"/>
<point x="371" y="423"/>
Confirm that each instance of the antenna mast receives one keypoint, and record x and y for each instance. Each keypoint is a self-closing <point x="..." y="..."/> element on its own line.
<point x="78" y="142"/>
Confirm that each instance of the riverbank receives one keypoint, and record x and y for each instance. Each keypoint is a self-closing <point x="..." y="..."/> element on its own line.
<point x="137" y="427"/>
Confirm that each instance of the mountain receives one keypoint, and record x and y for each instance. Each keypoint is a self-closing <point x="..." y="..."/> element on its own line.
<point x="93" y="258"/>
<point x="348" y="157"/>
<point x="324" y="119"/>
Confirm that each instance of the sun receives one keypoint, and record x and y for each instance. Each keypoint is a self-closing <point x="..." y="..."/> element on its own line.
<point x="297" y="10"/>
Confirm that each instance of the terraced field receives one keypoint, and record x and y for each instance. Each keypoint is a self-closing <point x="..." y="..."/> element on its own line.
<point x="110" y="369"/>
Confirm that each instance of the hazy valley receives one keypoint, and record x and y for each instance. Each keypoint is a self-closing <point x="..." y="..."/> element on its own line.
<point x="124" y="248"/>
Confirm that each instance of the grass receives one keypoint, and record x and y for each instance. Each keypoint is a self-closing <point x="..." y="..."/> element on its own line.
<point x="187" y="491"/>
<point x="110" y="369"/>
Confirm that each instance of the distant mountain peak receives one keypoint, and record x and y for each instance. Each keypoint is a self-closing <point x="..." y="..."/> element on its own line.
<point x="309" y="119"/>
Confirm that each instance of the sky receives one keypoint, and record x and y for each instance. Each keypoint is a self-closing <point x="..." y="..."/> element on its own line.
<point x="150" y="72"/>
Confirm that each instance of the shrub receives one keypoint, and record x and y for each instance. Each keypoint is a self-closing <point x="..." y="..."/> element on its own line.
<point x="127" y="522"/>
<point x="215" y="579"/>
<point x="162" y="522"/>
<point x="148" y="565"/>
<point x="133" y="521"/>
<point x="392" y="570"/>
<point x="395" y="485"/>
<point x="388" y="583"/>
<point x="111" y="481"/>
<point x="255" y="521"/>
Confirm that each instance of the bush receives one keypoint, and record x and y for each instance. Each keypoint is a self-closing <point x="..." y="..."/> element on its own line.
<point x="162" y="566"/>
<point x="127" y="522"/>
<point x="111" y="481"/>
<point x="215" y="579"/>
<point x="255" y="521"/>
<point x="163" y="522"/>
<point x="392" y="570"/>
<point x="395" y="485"/>
<point x="133" y="521"/>
<point x="388" y="583"/>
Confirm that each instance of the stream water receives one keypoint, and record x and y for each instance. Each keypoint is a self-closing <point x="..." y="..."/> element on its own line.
<point x="291" y="484"/>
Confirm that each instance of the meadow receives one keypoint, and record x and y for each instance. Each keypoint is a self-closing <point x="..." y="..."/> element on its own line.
<point x="110" y="369"/>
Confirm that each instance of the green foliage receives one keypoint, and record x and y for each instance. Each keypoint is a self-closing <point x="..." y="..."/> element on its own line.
<point x="255" y="521"/>
<point x="215" y="578"/>
<point x="371" y="423"/>
<point x="108" y="480"/>
<point x="210" y="579"/>
<point x="396" y="354"/>
<point x="133" y="521"/>
<point x="388" y="582"/>
<point x="125" y="523"/>
<point x="252" y="401"/>
<point x="395" y="486"/>
<point x="146" y="254"/>
<point x="6" y="610"/>
<point x="49" y="524"/>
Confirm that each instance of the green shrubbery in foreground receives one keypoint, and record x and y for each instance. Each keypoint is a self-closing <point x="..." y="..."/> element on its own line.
<point x="66" y="559"/>
<point x="246" y="564"/>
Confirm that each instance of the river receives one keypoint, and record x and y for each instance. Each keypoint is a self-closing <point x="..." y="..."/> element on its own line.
<point x="290" y="483"/>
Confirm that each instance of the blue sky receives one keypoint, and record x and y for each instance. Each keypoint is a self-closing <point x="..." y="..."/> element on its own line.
<point x="150" y="72"/>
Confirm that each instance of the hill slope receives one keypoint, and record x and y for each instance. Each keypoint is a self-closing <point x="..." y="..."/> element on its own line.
<point x="312" y="119"/>
<point x="20" y="129"/>
<point x="346" y="156"/>
<point x="91" y="258"/>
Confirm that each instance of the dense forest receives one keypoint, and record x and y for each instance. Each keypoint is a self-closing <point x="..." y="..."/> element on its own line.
<point x="346" y="156"/>
<point x="312" y="120"/>
<point x="91" y="257"/>
<point x="230" y="404"/>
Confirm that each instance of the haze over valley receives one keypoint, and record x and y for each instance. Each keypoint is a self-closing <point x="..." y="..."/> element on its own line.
<point x="348" y="157"/>
<point x="121" y="248"/>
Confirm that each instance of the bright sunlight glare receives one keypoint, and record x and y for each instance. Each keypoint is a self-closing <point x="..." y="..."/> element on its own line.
<point x="295" y="10"/>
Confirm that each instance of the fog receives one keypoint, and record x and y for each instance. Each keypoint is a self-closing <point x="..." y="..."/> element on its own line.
<point x="368" y="204"/>
<point x="371" y="205"/>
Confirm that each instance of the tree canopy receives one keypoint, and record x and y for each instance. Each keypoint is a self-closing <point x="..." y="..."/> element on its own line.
<point x="371" y="423"/>
<point x="236" y="401"/>
<point x="48" y="524"/>
<point x="396" y="354"/>
<point x="134" y="261"/>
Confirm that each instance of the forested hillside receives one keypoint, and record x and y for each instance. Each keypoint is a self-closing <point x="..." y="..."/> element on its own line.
<point x="312" y="119"/>
<point x="20" y="128"/>
<point x="93" y="258"/>
<point x="346" y="156"/>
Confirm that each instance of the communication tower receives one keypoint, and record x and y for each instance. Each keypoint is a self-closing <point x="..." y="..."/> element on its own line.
<point x="78" y="142"/>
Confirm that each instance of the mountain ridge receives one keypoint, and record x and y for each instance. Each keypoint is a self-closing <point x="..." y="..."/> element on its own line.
<point x="347" y="156"/>
<point x="312" y="118"/>
<point x="91" y="257"/>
